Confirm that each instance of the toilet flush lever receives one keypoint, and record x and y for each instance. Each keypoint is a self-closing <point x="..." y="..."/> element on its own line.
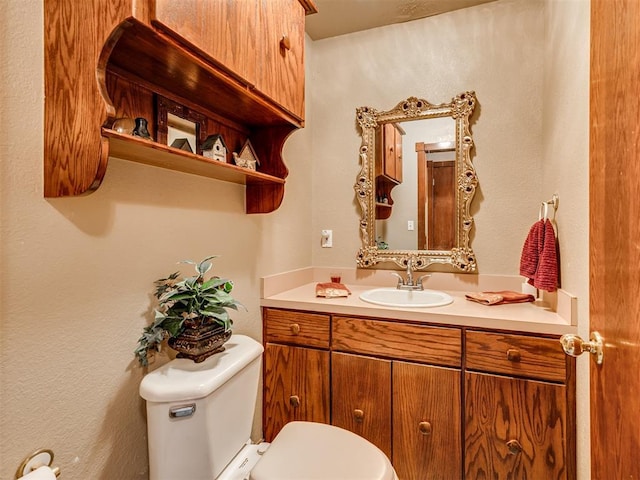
<point x="182" y="411"/>
<point x="574" y="346"/>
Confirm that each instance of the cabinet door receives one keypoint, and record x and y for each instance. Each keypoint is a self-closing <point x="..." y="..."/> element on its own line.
<point x="281" y="61"/>
<point x="361" y="397"/>
<point x="296" y="386"/>
<point x="389" y="158"/>
<point x="224" y="31"/>
<point x="397" y="139"/>
<point x="514" y="428"/>
<point x="426" y="422"/>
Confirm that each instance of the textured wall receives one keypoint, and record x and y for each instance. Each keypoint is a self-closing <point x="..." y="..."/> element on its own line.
<point x="77" y="274"/>
<point x="565" y="171"/>
<point x="495" y="49"/>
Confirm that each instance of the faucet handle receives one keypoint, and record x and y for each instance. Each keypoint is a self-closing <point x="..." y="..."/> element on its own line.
<point x="400" y="279"/>
<point x="421" y="278"/>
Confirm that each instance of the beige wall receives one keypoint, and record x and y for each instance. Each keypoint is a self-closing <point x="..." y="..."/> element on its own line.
<point x="565" y="170"/>
<point x="77" y="274"/>
<point x="487" y="49"/>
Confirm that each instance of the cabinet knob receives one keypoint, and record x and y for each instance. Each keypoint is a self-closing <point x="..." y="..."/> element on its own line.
<point x="285" y="42"/>
<point x="295" y="328"/>
<point x="514" y="447"/>
<point x="294" y="400"/>
<point x="358" y="415"/>
<point x="513" y="355"/>
<point x="425" y="428"/>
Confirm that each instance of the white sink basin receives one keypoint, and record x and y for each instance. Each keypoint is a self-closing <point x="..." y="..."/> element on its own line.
<point x="392" y="297"/>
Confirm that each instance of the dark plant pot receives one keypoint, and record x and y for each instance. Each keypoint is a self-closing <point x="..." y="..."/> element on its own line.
<point x="199" y="342"/>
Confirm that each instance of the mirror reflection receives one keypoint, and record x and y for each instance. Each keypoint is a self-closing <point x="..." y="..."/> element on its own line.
<point x="416" y="211"/>
<point x="416" y="183"/>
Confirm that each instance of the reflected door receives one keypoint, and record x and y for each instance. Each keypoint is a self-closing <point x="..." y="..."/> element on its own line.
<point x="436" y="196"/>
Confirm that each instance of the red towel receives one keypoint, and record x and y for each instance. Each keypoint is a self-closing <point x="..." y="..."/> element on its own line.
<point x="539" y="259"/>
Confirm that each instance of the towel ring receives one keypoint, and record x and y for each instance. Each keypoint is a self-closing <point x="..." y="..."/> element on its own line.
<point x="543" y="213"/>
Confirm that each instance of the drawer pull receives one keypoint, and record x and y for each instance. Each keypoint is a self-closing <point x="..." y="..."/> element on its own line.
<point x="514" y="447"/>
<point x="358" y="415"/>
<point x="285" y="42"/>
<point x="294" y="400"/>
<point x="425" y="428"/>
<point x="295" y="328"/>
<point x="513" y="355"/>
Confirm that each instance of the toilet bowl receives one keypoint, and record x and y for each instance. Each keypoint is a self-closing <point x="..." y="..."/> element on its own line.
<point x="199" y="420"/>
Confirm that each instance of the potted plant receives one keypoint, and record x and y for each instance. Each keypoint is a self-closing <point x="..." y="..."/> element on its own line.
<point x="192" y="314"/>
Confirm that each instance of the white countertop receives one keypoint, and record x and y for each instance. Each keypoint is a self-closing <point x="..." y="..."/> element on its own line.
<point x="522" y="317"/>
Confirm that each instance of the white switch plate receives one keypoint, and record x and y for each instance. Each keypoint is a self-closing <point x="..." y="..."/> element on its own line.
<point x="326" y="240"/>
<point x="410" y="225"/>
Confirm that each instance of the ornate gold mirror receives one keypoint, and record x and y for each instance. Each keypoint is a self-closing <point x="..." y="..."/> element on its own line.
<point x="416" y="184"/>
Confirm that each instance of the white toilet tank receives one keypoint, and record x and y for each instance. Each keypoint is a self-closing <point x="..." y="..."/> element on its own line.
<point x="199" y="415"/>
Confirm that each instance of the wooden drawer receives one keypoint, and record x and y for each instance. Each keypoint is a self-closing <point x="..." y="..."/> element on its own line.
<point x="418" y="343"/>
<point x="308" y="329"/>
<point x="520" y="355"/>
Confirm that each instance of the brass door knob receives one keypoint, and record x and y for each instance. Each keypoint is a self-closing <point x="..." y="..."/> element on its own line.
<point x="295" y="328"/>
<point x="294" y="400"/>
<point x="514" y="447"/>
<point x="513" y="355"/>
<point x="425" y="428"/>
<point x="358" y="415"/>
<point x="574" y="345"/>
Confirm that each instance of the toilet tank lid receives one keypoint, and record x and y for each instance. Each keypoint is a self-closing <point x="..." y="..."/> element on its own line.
<point x="183" y="379"/>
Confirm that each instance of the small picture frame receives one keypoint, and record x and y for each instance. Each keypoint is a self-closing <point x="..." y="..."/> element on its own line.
<point x="177" y="122"/>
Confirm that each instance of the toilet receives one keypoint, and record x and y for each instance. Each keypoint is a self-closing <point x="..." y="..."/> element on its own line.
<point x="199" y="419"/>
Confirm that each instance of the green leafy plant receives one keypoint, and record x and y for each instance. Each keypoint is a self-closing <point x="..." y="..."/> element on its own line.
<point x="192" y="301"/>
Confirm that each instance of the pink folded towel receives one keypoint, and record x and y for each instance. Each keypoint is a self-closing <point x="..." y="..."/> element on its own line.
<point x="539" y="258"/>
<point x="499" y="298"/>
<point x="332" y="290"/>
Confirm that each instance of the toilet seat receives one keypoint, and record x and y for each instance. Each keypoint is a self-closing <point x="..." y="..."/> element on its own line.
<point x="315" y="451"/>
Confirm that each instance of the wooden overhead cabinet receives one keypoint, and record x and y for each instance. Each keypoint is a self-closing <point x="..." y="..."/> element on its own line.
<point x="238" y="65"/>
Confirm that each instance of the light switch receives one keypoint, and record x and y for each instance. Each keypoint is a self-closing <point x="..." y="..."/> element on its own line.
<point x="327" y="239"/>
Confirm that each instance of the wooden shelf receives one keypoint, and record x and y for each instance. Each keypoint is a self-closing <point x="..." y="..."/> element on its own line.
<point x="148" y="152"/>
<point x="122" y="62"/>
<point x="383" y="210"/>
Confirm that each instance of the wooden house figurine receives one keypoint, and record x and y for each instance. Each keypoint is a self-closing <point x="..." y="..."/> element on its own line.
<point x="214" y="147"/>
<point x="247" y="157"/>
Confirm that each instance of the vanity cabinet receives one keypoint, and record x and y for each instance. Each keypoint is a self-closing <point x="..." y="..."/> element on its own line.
<point x="296" y="369"/>
<point x="443" y="402"/>
<point x="414" y="414"/>
<point x="519" y="415"/>
<point x="225" y="61"/>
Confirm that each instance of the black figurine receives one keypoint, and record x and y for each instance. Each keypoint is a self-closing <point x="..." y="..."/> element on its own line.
<point x="140" y="129"/>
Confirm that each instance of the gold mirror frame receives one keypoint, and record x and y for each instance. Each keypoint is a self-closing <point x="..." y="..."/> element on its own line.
<point x="461" y="256"/>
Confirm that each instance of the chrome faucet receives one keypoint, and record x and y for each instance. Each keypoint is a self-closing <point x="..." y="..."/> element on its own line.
<point x="409" y="284"/>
